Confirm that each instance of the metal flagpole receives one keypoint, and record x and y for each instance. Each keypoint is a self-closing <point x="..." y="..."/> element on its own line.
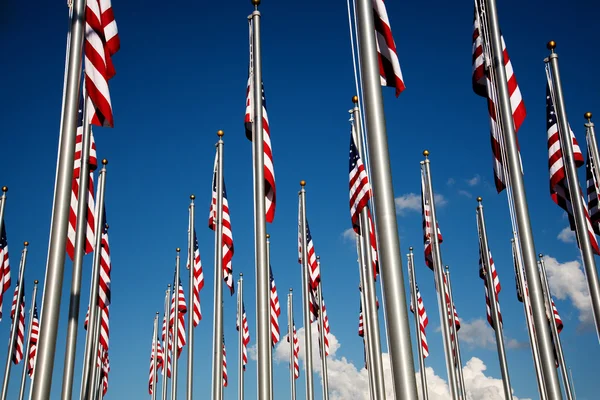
<point x="439" y="281"/>
<point x="366" y="333"/>
<point x="2" y="205"/>
<point x="89" y="355"/>
<point x="190" y="342"/>
<point x="559" y="351"/>
<point x="166" y="344"/>
<point x="520" y="201"/>
<point x="493" y="298"/>
<point x="591" y="140"/>
<point x="175" y="327"/>
<point x="270" y="336"/>
<point x="79" y="253"/>
<point x="42" y="381"/>
<point x="573" y="383"/>
<point x="306" y="302"/>
<point x="324" y="377"/>
<point x="154" y="357"/>
<point x="291" y="340"/>
<point x="399" y="342"/>
<point x="240" y="319"/>
<point x="458" y="365"/>
<point x="217" y="367"/>
<point x="415" y="302"/>
<point x="28" y="343"/>
<point x="370" y="309"/>
<point x="579" y="213"/>
<point x="15" y="323"/>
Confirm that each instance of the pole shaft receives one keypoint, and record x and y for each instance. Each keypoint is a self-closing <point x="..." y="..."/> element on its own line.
<point x="190" y="341"/>
<point x="306" y="309"/>
<point x="415" y="302"/>
<point x="2" y="206"/>
<point x="28" y="343"/>
<point x="460" y="380"/>
<point x="166" y="345"/>
<point x="363" y="301"/>
<point x="240" y="307"/>
<point x="325" y="380"/>
<point x="592" y="146"/>
<point x="291" y="339"/>
<point x="175" y="328"/>
<point x="491" y="290"/>
<point x="154" y="357"/>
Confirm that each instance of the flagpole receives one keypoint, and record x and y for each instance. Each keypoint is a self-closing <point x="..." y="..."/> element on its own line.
<point x="270" y="310"/>
<point x="154" y="357"/>
<point x="2" y="205"/>
<point x="15" y="323"/>
<point x="305" y="286"/>
<point x="217" y="367"/>
<point x="240" y="319"/>
<point x="591" y="139"/>
<point x="89" y="355"/>
<point x="28" y="343"/>
<point x="493" y="298"/>
<point x="175" y="327"/>
<point x="439" y="281"/>
<point x="460" y="380"/>
<point x="555" y="335"/>
<point x="325" y="378"/>
<point x="94" y="367"/>
<point x="415" y="302"/>
<point x="573" y="383"/>
<point x="190" y="343"/>
<point x="166" y="345"/>
<point x="291" y="340"/>
<point x="366" y="334"/>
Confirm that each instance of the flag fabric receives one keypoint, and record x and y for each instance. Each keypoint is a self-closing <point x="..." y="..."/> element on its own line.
<point x="182" y="310"/>
<point x="373" y="240"/>
<point x="313" y="266"/>
<point x="448" y="301"/>
<point x="360" y="189"/>
<point x="155" y="351"/>
<point x="275" y="310"/>
<point x="559" y="188"/>
<point x="389" y="66"/>
<point x="520" y="291"/>
<point x="227" y="235"/>
<point x="326" y="329"/>
<point x="483" y="86"/>
<point x="101" y="43"/>
<point x="35" y="331"/>
<point x="104" y="329"/>
<point x="296" y="351"/>
<point x="104" y="292"/>
<point x="427" y="225"/>
<point x="167" y="350"/>
<point x="245" y="335"/>
<point x="87" y="319"/>
<point x="224" y="365"/>
<point x="423" y="322"/>
<point x="361" y="322"/>
<point x="559" y="322"/>
<point x="313" y="304"/>
<point x="198" y="283"/>
<point x="496" y="285"/>
<point x="20" y="337"/>
<point x="5" y="280"/>
<point x="104" y="370"/>
<point x="593" y="190"/>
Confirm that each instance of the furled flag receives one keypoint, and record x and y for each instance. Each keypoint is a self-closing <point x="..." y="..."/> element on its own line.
<point x="104" y="328"/>
<point x="155" y="351"/>
<point x="559" y="322"/>
<point x="497" y="287"/>
<point x="198" y="282"/>
<point x="427" y="225"/>
<point x="520" y="291"/>
<point x="167" y="349"/>
<point x="227" y="235"/>
<point x="35" y="331"/>
<point x="373" y="241"/>
<point x="87" y="319"/>
<point x="559" y="188"/>
<point x="101" y="43"/>
<point x="104" y="372"/>
<point x="313" y="266"/>
<point x="360" y="189"/>
<point x="593" y="190"/>
<point x="313" y="304"/>
<point x="389" y="66"/>
<point x="224" y="365"/>
<point x="456" y="319"/>
<point x="4" y="266"/>
<point x="19" y="340"/>
<point x="483" y="86"/>
<point x="245" y="336"/>
<point x="275" y="309"/>
<point x="182" y="310"/>
<point x="361" y="322"/>
<point x="423" y="322"/>
<point x="269" y="170"/>
<point x="296" y="352"/>
<point x="104" y="292"/>
<point x="326" y="329"/>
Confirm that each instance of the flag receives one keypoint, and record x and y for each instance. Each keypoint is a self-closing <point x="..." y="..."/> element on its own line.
<point x="593" y="190"/>
<point x="456" y="319"/>
<point x="104" y="292"/>
<point x="227" y="235"/>
<point x="104" y="328"/>
<point x="101" y="43"/>
<point x="155" y="346"/>
<point x="224" y="365"/>
<point x="520" y="291"/>
<point x="361" y="322"/>
<point x="167" y="350"/>
<point x="4" y="266"/>
<point x="104" y="372"/>
<point x="483" y="86"/>
<point x="275" y="310"/>
<point x="35" y="331"/>
<point x="373" y="240"/>
<point x="182" y="310"/>
<point x="389" y="66"/>
<point x="496" y="285"/>
<point x="313" y="266"/>
<point x="423" y="322"/>
<point x="427" y="225"/>
<point x="313" y="304"/>
<point x="20" y="338"/>
<point x="559" y="188"/>
<point x="296" y="351"/>
<point x="245" y="336"/>
<point x="87" y="319"/>
<point x="326" y="329"/>
<point x="198" y="282"/>
<point x="360" y="189"/>
<point x="557" y="319"/>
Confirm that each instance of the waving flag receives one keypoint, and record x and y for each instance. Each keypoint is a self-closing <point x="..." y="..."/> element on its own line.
<point x="275" y="310"/>
<point x="198" y="283"/>
<point x="245" y="336"/>
<point x="4" y="266"/>
<point x="35" y="332"/>
<point x="19" y="342"/>
<point x="389" y="66"/>
<point x="423" y="322"/>
<point x="296" y="366"/>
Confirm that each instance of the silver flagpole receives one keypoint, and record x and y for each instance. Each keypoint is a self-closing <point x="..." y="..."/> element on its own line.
<point x="291" y="339"/>
<point x="399" y="342"/>
<point x="366" y="334"/>
<point x="324" y="377"/>
<point x="520" y="200"/>
<point x="154" y="357"/>
<point x="491" y="290"/>
<point x="42" y="381"/>
<point x="559" y="351"/>
<point x="28" y="343"/>
<point x="15" y="323"/>
<point x="439" y="282"/>
<point x="306" y="302"/>
<point x="166" y="345"/>
<point x="270" y="336"/>
<point x="79" y="253"/>
<point x="89" y="358"/>
<point x="415" y="302"/>
<point x="370" y="309"/>
<point x="579" y="213"/>
<point x="240" y="319"/>
<point x="591" y="139"/>
<point x="458" y="365"/>
<point x="263" y="325"/>
<point x="217" y="367"/>
<point x="175" y="327"/>
<point x="528" y="318"/>
<point x="2" y="205"/>
<point x="190" y="342"/>
<point x="573" y="383"/>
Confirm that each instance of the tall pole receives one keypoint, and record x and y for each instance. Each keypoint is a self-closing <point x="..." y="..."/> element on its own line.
<point x="217" y="367"/>
<point x="445" y="313"/>
<point x="573" y="383"/>
<point x="520" y="201"/>
<point x="2" y="205"/>
<point x="460" y="380"/>
<point x="89" y="358"/>
<point x="325" y="378"/>
<point x="579" y="212"/>
<point x="559" y="351"/>
<point x="28" y="343"/>
<point x="270" y="336"/>
<point x="155" y="357"/>
<point x="166" y="344"/>
<point x="366" y="334"/>
<point x="415" y="302"/>
<point x="190" y="342"/>
<point x="370" y="306"/>
<point x="240" y="324"/>
<point x="305" y="297"/>
<point x="400" y="348"/>
<point x="42" y="380"/>
<point x="15" y="323"/>
<point x="591" y="139"/>
<point x="175" y="327"/>
<point x="290" y="305"/>
<point x="493" y="298"/>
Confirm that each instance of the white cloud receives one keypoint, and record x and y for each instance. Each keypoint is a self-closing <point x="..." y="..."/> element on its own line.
<point x="349" y="235"/>
<point x="566" y="235"/>
<point x="253" y="352"/>
<point x="440" y="200"/>
<point x="412" y="202"/>
<point x="465" y="193"/>
<point x="450" y="182"/>
<point x="474" y="181"/>
<point x="478" y="333"/>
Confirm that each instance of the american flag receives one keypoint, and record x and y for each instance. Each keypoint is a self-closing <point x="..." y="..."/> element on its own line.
<point x="497" y="287"/>
<point x="559" y="188"/>
<point x="360" y="189"/>
<point x="456" y="319"/>
<point x="101" y="43"/>
<point x="389" y="66"/>
<point x="4" y="266"/>
<point x="104" y="328"/>
<point x="104" y="372"/>
<point x="313" y="304"/>
<point x="313" y="266"/>
<point x="87" y="319"/>
<point x="275" y="310"/>
<point x="593" y="190"/>
<point x="373" y="240"/>
<point x="182" y="310"/>
<point x="155" y="346"/>
<point x="427" y="224"/>
<point x="227" y="235"/>
<point x="296" y="351"/>
<point x="269" y="170"/>
<point x="19" y="342"/>
<point x="520" y="291"/>
<point x="35" y="331"/>
<point x="198" y="282"/>
<point x="104" y="292"/>
<point x="423" y="322"/>
<point x="326" y="329"/>
<point x="167" y="349"/>
<point x="224" y="365"/>
<point x="245" y="335"/>
<point x="483" y="86"/>
<point x="361" y="322"/>
<point x="559" y="322"/>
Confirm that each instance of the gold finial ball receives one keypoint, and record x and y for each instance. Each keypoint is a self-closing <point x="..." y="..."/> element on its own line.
<point x="104" y="161"/>
<point x="5" y="189"/>
<point x="26" y="243"/>
<point x="425" y="153"/>
<point x="178" y="249"/>
<point x="479" y="199"/>
<point x="36" y="281"/>
<point x="302" y="183"/>
<point x="587" y="115"/>
<point x="355" y="99"/>
<point x="192" y="197"/>
<point x="268" y="236"/>
<point x="410" y="248"/>
<point x="255" y="3"/>
<point x="551" y="45"/>
<point x="220" y="133"/>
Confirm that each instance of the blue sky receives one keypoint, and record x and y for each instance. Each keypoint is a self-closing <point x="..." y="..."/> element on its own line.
<point x="181" y="76"/>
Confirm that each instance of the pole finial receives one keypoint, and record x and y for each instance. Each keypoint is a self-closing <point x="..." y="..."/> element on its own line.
<point x="157" y="313"/>
<point x="26" y="244"/>
<point x="479" y="199"/>
<point x="551" y="45"/>
<point x="241" y="274"/>
<point x="192" y="197"/>
<point x="169" y="286"/>
<point x="318" y="258"/>
<point x="5" y="189"/>
<point x="255" y="3"/>
<point x="426" y="153"/>
<point x="410" y="248"/>
<point x="36" y="282"/>
<point x="447" y="268"/>
<point x="302" y="183"/>
<point x="291" y="290"/>
<point x="268" y="236"/>
<point x="587" y="115"/>
<point x="355" y="99"/>
<point x="541" y="255"/>
<point x="178" y="249"/>
<point x="220" y="133"/>
<point x="104" y="161"/>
